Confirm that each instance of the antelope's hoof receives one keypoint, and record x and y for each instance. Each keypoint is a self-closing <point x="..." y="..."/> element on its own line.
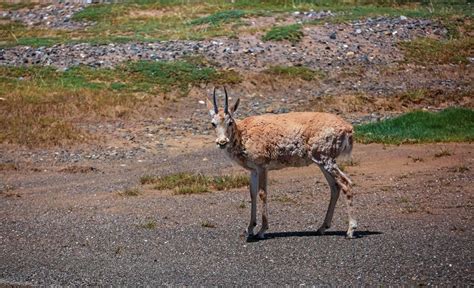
<point x="350" y="235"/>
<point x="321" y="231"/>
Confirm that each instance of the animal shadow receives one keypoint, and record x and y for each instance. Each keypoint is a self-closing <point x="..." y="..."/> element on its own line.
<point x="268" y="236"/>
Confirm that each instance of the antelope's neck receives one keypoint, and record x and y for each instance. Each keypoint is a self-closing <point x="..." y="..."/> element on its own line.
<point x="235" y="137"/>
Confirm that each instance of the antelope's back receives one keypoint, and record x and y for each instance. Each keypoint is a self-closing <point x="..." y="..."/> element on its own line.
<point x="289" y="139"/>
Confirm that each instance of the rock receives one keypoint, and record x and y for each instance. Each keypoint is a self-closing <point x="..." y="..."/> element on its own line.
<point x="332" y="35"/>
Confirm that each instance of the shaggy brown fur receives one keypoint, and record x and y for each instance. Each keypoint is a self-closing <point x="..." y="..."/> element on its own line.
<point x="268" y="142"/>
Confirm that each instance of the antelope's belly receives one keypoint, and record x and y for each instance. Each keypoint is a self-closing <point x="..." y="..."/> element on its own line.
<point x="287" y="161"/>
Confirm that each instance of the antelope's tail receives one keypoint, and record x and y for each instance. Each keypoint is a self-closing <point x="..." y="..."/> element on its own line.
<point x="345" y="153"/>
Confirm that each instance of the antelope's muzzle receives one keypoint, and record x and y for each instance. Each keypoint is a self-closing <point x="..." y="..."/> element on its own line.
<point x="222" y="142"/>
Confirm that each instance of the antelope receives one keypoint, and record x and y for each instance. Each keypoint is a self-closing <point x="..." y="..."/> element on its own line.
<point x="271" y="142"/>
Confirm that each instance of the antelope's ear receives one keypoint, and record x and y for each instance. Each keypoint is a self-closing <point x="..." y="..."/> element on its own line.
<point x="210" y="107"/>
<point x="235" y="106"/>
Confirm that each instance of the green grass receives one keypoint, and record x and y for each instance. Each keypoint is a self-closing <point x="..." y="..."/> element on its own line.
<point x="37" y="42"/>
<point x="188" y="183"/>
<point x="168" y="75"/>
<point x="301" y="72"/>
<point x="181" y="75"/>
<point x="101" y="12"/>
<point x="449" y="125"/>
<point x="219" y="17"/>
<point x="431" y="51"/>
<point x="290" y="33"/>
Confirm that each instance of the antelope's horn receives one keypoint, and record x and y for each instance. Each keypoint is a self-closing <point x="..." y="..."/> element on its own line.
<point x="226" y="103"/>
<point x="215" y="100"/>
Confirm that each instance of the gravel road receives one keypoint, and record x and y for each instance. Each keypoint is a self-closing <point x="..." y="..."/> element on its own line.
<point x="415" y="219"/>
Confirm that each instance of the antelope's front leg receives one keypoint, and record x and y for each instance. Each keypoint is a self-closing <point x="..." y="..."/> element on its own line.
<point x="253" y="197"/>
<point x="262" y="184"/>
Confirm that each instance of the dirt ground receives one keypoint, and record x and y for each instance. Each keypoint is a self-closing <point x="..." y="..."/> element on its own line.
<point x="64" y="219"/>
<point x="68" y="225"/>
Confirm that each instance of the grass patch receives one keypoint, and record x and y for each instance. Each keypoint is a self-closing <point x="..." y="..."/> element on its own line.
<point x="38" y="131"/>
<point x="460" y="169"/>
<point x="100" y="12"/>
<point x="284" y="199"/>
<point x="17" y="6"/>
<point x="290" y="33"/>
<point x="188" y="183"/>
<point x="300" y="72"/>
<point x="39" y="104"/>
<point x="219" y="17"/>
<point x="194" y="188"/>
<point x="431" y="51"/>
<point x="443" y="153"/>
<point x="168" y="75"/>
<point x="414" y="96"/>
<point x="449" y="125"/>
<point x="37" y="42"/>
<point x="147" y="179"/>
<point x="8" y="167"/>
<point x="150" y="225"/>
<point x="207" y="224"/>
<point x="130" y="192"/>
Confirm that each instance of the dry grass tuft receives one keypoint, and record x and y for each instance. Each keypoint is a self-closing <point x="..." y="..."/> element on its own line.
<point x="430" y="51"/>
<point x="130" y="192"/>
<point x="443" y="153"/>
<point x="187" y="183"/>
<point x="208" y="224"/>
<point x="151" y="224"/>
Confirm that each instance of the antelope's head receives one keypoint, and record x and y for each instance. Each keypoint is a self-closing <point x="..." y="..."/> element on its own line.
<point x="222" y="119"/>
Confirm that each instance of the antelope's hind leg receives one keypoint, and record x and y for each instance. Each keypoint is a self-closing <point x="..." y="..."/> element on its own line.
<point x="337" y="181"/>
<point x="345" y="183"/>
<point x="335" y="189"/>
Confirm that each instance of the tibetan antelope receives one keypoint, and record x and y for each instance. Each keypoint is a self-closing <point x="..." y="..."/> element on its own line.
<point x="270" y="142"/>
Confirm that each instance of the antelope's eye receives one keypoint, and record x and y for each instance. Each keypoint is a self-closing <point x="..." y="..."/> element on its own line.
<point x="213" y="124"/>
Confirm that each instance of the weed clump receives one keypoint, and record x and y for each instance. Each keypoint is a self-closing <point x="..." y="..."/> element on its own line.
<point x="130" y="192"/>
<point x="99" y="12"/>
<point x="167" y="75"/>
<point x="302" y="72"/>
<point x="431" y="51"/>
<point x="219" y="17"/>
<point x="290" y="33"/>
<point x="151" y="224"/>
